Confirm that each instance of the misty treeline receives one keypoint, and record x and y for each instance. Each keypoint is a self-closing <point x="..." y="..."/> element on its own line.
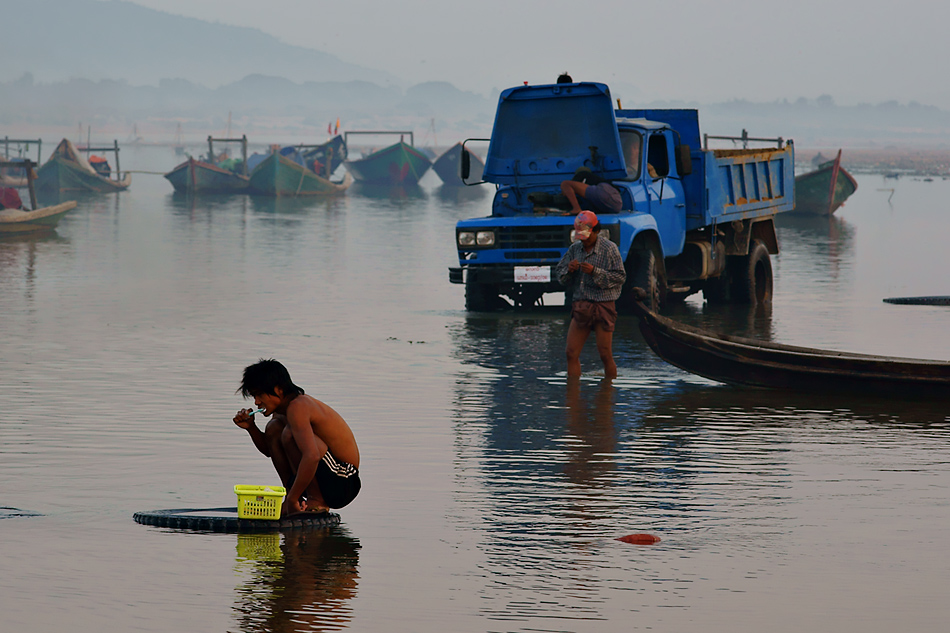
<point x="264" y="104"/>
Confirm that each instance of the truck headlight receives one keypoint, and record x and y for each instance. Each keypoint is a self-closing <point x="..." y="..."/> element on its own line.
<point x="466" y="238"/>
<point x="485" y="238"/>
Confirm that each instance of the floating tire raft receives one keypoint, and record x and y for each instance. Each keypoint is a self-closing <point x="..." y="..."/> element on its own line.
<point x="226" y="520"/>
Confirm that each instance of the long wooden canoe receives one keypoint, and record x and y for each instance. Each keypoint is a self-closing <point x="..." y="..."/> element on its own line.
<point x="753" y="363"/>
<point x="824" y="190"/>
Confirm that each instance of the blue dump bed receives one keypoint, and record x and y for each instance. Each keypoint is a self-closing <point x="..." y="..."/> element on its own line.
<point x="729" y="184"/>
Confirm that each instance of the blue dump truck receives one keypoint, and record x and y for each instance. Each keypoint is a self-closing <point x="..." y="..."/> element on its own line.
<point x="692" y="219"/>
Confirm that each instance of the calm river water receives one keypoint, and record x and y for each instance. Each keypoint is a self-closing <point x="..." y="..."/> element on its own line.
<point x="493" y="493"/>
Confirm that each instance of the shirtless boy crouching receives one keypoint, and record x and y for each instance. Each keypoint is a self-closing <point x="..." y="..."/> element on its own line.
<point x="311" y="446"/>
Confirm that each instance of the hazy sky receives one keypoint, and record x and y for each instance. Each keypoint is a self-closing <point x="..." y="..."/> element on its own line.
<point x="863" y="51"/>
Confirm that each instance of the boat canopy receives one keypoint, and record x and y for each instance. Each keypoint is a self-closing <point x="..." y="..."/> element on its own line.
<point x="543" y="134"/>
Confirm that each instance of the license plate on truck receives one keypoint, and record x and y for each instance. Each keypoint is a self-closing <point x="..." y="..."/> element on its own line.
<point x="532" y="274"/>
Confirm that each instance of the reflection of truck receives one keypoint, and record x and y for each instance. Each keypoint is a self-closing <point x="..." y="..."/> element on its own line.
<point x="692" y="219"/>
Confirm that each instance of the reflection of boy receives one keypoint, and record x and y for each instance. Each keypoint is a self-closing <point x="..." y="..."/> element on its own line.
<point x="312" y="448"/>
<point x="601" y="195"/>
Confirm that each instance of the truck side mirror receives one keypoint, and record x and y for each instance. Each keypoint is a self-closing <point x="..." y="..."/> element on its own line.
<point x="684" y="162"/>
<point x="465" y="164"/>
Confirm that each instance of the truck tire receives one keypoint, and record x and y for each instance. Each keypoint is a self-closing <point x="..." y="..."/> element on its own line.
<point x="643" y="271"/>
<point x="752" y="276"/>
<point x="481" y="297"/>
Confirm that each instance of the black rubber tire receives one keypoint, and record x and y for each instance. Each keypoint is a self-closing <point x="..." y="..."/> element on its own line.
<point x="752" y="276"/>
<point x="482" y="297"/>
<point x="643" y="271"/>
<point x="205" y="520"/>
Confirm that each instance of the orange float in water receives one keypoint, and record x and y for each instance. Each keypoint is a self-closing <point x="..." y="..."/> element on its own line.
<point x="640" y="539"/>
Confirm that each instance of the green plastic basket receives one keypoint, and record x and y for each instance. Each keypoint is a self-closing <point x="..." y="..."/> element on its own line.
<point x="259" y="502"/>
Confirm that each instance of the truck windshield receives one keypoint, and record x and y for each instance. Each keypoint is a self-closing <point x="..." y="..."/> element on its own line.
<point x="632" y="144"/>
<point x="552" y="128"/>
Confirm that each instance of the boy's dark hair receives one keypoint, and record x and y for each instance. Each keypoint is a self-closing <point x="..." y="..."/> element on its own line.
<point x="265" y="376"/>
<point x="564" y="78"/>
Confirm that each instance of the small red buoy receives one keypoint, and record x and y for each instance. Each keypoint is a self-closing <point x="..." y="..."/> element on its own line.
<point x="640" y="539"/>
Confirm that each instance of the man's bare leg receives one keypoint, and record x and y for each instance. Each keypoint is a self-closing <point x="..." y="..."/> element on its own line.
<point x="605" y="341"/>
<point x="315" y="502"/>
<point x="576" y="337"/>
<point x="571" y="189"/>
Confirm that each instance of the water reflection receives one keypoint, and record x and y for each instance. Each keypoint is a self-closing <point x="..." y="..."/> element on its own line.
<point x="460" y="194"/>
<point x="820" y="247"/>
<point x="305" y="583"/>
<point x="590" y="422"/>
<point x="394" y="193"/>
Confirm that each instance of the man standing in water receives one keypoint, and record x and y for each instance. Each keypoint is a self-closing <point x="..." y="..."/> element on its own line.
<point x="593" y="269"/>
<point x="311" y="446"/>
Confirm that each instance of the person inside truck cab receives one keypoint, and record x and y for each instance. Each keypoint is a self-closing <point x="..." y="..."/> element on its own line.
<point x="632" y="144"/>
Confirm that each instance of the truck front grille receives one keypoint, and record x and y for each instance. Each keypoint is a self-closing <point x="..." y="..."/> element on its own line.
<point x="534" y="237"/>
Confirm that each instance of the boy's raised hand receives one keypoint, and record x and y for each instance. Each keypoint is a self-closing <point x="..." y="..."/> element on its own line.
<point x="244" y="418"/>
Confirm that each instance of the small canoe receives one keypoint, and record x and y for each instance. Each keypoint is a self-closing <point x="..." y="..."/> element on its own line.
<point x="198" y="176"/>
<point x="42" y="219"/>
<point x="816" y="195"/>
<point x="448" y="166"/>
<point x="398" y="164"/>
<point x="753" y="363"/>
<point x="278" y="175"/>
<point x="68" y="170"/>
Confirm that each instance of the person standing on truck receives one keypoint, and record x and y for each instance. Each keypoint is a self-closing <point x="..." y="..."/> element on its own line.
<point x="593" y="271"/>
<point x="601" y="195"/>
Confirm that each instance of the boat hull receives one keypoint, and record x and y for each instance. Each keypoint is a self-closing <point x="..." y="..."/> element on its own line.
<point x="814" y="194"/>
<point x="61" y="174"/>
<point x="753" y="363"/>
<point x="448" y="167"/>
<point x="398" y="164"/>
<point x="197" y="176"/>
<point x="44" y="219"/>
<point x="279" y="176"/>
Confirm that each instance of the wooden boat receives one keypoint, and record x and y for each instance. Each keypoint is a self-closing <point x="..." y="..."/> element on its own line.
<point x="753" y="363"/>
<point x="212" y="175"/>
<point x="278" y="175"/>
<point x="398" y="164"/>
<point x="68" y="170"/>
<point x="14" y="175"/>
<point x="822" y="191"/>
<point x="34" y="219"/>
<point x="324" y="158"/>
<point x="448" y="167"/>
<point x="198" y="176"/>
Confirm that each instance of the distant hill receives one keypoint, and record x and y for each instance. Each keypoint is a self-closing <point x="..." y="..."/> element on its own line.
<point x="56" y="40"/>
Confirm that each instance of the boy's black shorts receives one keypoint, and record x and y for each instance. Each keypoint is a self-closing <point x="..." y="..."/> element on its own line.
<point x="339" y="482"/>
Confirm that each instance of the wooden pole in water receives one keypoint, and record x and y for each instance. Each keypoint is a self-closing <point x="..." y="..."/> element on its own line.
<point x="118" y="172"/>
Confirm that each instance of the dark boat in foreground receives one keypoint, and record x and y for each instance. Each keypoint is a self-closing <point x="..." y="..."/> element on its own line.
<point x="447" y="166"/>
<point x="753" y="363"/>
<point x="822" y="191"/>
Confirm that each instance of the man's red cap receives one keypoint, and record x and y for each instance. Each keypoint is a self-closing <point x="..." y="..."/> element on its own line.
<point x="586" y="217"/>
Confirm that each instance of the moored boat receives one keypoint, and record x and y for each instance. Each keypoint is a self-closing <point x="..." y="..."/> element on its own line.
<point x="824" y="190"/>
<point x="279" y="175"/>
<point x="68" y="170"/>
<point x="753" y="363"/>
<point x="14" y="218"/>
<point x="398" y="164"/>
<point x="448" y="166"/>
<point x="213" y="175"/>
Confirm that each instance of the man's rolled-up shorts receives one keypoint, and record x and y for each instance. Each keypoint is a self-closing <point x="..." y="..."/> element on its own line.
<point x="604" y="197"/>
<point x="592" y="314"/>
